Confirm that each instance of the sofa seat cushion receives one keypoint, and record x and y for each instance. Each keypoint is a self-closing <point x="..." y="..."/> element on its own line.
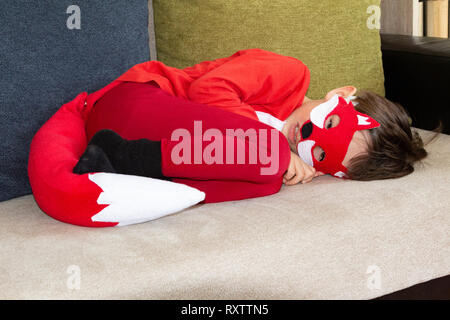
<point x="328" y="239"/>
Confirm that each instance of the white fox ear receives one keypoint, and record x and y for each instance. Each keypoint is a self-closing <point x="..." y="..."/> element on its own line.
<point x="363" y="121"/>
<point x="352" y="100"/>
<point x="134" y="199"/>
<point x="366" y="122"/>
<point x="340" y="174"/>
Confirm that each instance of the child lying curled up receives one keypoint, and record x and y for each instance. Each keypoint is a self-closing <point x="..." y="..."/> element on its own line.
<point x="138" y="127"/>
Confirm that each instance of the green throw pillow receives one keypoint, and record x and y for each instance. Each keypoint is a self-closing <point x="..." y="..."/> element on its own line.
<point x="337" y="39"/>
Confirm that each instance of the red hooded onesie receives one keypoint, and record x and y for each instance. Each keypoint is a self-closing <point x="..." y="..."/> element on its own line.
<point x="253" y="83"/>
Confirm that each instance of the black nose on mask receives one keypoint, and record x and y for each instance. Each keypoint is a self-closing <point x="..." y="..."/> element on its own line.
<point x="306" y="130"/>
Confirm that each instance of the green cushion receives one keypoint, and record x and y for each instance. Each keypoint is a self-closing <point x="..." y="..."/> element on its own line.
<point x="331" y="37"/>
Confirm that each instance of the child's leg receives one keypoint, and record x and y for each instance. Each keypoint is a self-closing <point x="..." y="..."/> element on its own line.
<point x="136" y="158"/>
<point x="219" y="191"/>
<point x="94" y="159"/>
<point x="135" y="111"/>
<point x="109" y="152"/>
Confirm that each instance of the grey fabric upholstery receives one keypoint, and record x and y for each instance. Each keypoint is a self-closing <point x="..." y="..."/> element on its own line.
<point x="46" y="61"/>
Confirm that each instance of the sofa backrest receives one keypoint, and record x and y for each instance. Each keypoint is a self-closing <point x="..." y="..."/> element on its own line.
<point x="337" y="39"/>
<point x="51" y="51"/>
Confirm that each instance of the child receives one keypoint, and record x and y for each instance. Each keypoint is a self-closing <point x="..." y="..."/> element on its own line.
<point x="369" y="138"/>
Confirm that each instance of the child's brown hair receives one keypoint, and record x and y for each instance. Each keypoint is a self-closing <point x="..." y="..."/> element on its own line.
<point x="393" y="147"/>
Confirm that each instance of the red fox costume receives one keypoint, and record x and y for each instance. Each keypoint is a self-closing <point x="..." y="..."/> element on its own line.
<point x="274" y="86"/>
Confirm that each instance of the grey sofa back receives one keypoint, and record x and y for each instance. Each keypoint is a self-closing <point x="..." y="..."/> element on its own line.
<point x="51" y="51"/>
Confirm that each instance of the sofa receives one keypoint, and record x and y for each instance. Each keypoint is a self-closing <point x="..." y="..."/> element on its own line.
<point x="328" y="239"/>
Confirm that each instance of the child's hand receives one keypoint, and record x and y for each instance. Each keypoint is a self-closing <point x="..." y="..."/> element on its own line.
<point x="299" y="171"/>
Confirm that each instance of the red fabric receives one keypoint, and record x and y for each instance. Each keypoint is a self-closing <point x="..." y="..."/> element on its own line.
<point x="248" y="81"/>
<point x="335" y="141"/>
<point x="137" y="111"/>
<point x="54" y="151"/>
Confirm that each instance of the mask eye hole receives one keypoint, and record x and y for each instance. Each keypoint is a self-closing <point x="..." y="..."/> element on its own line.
<point x="332" y="121"/>
<point x="319" y="154"/>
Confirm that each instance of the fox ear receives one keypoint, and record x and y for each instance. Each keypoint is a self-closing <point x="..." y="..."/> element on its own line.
<point x="366" y="122"/>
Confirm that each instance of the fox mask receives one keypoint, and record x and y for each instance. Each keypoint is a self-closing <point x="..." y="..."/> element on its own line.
<point x="335" y="140"/>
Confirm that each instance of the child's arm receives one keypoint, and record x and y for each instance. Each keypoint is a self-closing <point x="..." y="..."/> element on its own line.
<point x="253" y="78"/>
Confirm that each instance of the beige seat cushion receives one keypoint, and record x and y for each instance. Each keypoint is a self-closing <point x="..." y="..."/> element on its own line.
<point x="326" y="239"/>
